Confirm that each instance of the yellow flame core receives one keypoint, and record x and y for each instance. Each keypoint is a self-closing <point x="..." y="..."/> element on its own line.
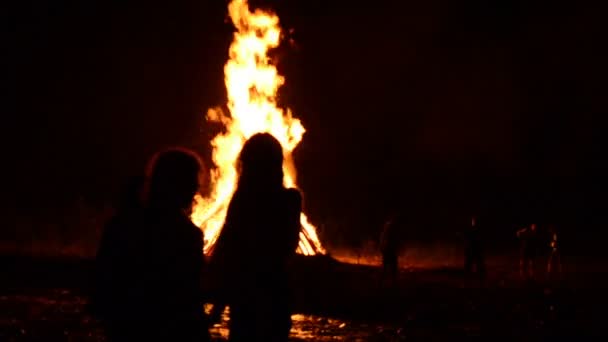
<point x="252" y="82"/>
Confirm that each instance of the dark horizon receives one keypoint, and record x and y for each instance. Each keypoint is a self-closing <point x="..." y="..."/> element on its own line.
<point x="436" y="108"/>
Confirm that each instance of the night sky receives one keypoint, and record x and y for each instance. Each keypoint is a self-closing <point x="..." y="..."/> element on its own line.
<point x="436" y="108"/>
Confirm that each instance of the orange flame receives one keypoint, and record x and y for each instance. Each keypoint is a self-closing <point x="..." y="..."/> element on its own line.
<point x="252" y="82"/>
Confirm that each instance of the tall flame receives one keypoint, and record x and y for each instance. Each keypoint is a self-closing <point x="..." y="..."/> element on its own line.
<point x="252" y="82"/>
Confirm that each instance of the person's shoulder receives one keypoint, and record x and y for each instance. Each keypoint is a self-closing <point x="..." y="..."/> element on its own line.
<point x="186" y="221"/>
<point x="196" y="230"/>
<point x="188" y="231"/>
<point x="293" y="196"/>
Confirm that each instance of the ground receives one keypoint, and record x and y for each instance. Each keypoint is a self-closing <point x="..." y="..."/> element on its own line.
<point x="44" y="300"/>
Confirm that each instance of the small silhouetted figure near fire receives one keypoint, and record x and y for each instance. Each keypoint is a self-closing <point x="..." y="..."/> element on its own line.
<point x="389" y="247"/>
<point x="259" y="237"/>
<point x="529" y="252"/>
<point x="473" y="251"/>
<point x="149" y="267"/>
<point x="554" y="263"/>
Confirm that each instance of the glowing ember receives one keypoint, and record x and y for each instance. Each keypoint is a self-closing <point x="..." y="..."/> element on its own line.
<point x="252" y="83"/>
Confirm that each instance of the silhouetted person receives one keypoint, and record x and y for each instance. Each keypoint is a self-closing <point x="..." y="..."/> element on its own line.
<point x="151" y="265"/>
<point x="530" y="250"/>
<point x="259" y="237"/>
<point x="554" y="263"/>
<point x="473" y="251"/>
<point x="389" y="247"/>
<point x="129" y="206"/>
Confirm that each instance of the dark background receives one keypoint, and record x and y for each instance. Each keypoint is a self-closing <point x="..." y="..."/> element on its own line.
<point x="435" y="108"/>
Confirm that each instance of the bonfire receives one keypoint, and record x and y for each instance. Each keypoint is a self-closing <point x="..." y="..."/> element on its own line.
<point x="252" y="82"/>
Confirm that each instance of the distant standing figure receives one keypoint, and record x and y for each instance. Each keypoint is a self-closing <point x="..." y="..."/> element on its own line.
<point x="389" y="247"/>
<point x="530" y="250"/>
<point x="151" y="264"/>
<point x="474" y="254"/>
<point x="256" y="244"/>
<point x="554" y="263"/>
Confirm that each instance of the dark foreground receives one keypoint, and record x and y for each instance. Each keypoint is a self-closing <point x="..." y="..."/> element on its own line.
<point x="45" y="300"/>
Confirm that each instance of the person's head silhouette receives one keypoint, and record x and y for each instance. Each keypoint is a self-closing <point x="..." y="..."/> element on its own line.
<point x="261" y="163"/>
<point x="173" y="178"/>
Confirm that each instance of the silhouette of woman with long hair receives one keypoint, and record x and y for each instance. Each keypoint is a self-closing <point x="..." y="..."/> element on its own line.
<point x="260" y="235"/>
